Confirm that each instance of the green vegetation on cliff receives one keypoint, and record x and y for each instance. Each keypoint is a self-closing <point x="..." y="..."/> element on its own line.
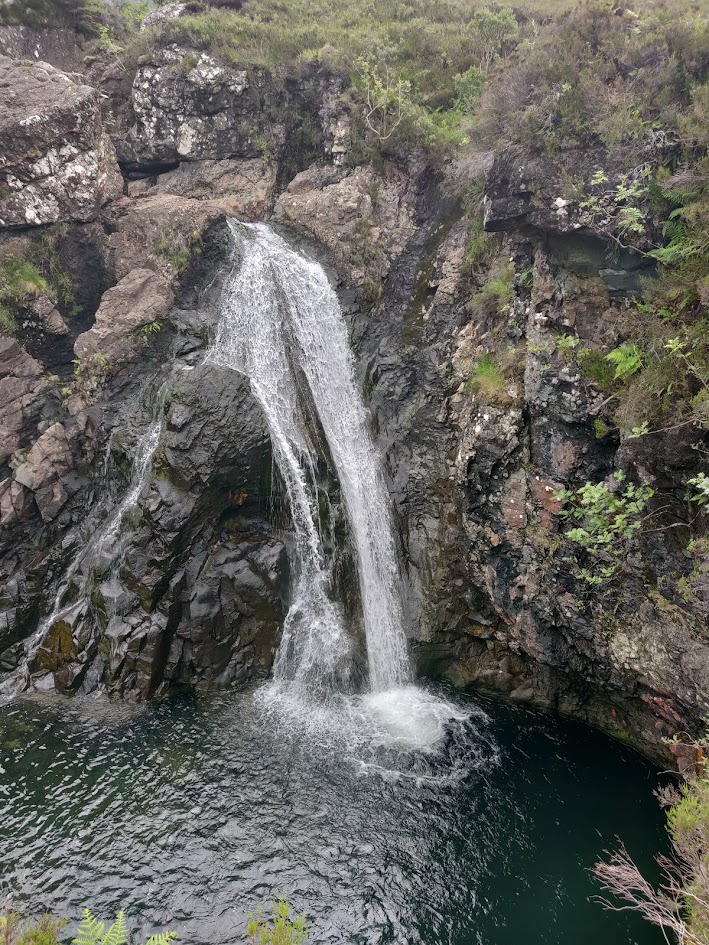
<point x="26" y="274"/>
<point x="85" y="16"/>
<point x="630" y="86"/>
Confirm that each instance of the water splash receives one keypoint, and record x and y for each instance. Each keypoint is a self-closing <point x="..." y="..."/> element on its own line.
<point x="282" y="326"/>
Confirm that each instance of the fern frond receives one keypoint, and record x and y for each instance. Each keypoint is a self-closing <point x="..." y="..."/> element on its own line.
<point x="117" y="933"/>
<point x="675" y="229"/>
<point x="669" y="255"/>
<point x="90" y="930"/>
<point x="162" y="938"/>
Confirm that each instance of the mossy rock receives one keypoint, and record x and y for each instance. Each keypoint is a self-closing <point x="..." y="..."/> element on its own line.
<point x="59" y="647"/>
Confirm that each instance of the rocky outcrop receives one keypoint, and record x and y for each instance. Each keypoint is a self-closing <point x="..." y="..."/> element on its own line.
<point x="545" y="636"/>
<point x="22" y="383"/>
<point x="160" y="232"/>
<point x="44" y="470"/>
<point x="475" y="473"/>
<point x="190" y="107"/>
<point x="203" y="573"/>
<point x="141" y="298"/>
<point x="56" y="161"/>
<point x="165" y="12"/>
<point x="188" y="586"/>
<point x="243" y="189"/>
<point x="364" y="218"/>
<point x="191" y="588"/>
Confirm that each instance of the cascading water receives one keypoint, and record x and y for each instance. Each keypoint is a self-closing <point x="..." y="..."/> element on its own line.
<point x="104" y="550"/>
<point x="282" y="326"/>
<point x="110" y="541"/>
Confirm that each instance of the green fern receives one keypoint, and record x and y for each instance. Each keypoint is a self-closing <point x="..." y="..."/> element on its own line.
<point x="117" y="933"/>
<point x="627" y="360"/>
<point x="90" y="930"/>
<point x="162" y="938"/>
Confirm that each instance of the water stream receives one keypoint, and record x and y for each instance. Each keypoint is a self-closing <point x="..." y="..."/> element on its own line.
<point x="102" y="551"/>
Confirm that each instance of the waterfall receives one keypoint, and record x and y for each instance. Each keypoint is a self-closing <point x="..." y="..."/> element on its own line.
<point x="110" y="540"/>
<point x="281" y="325"/>
<point x="103" y="550"/>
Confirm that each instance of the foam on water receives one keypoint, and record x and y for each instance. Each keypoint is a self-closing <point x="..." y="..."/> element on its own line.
<point x="406" y="733"/>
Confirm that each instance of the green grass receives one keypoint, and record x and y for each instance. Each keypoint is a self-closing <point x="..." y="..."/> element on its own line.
<point x="20" y="282"/>
<point x="85" y="16"/>
<point x="489" y="380"/>
<point x="26" y="274"/>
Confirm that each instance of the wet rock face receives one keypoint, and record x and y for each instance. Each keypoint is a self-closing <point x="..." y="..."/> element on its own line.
<point x="22" y="382"/>
<point x="473" y="476"/>
<point x="232" y="614"/>
<point x="364" y="218"/>
<point x="624" y="659"/>
<point x="56" y="161"/>
<point x="203" y="580"/>
<point x="190" y="589"/>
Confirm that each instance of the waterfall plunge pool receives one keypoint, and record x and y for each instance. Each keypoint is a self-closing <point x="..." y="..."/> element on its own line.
<point x="421" y="816"/>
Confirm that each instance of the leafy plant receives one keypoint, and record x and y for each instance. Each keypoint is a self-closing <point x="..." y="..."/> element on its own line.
<point x="90" y="375"/>
<point x="8" y="322"/>
<point x="497" y="293"/>
<point x="680" y="905"/>
<point x="388" y="98"/>
<point x="150" y="330"/>
<point x="700" y="484"/>
<point x="16" y="929"/>
<point x="92" y="931"/>
<point x="27" y="274"/>
<point x="607" y="517"/>
<point x="279" y="930"/>
<point x="491" y="32"/>
<point x="468" y="87"/>
<point x="133" y="12"/>
<point x="626" y="359"/>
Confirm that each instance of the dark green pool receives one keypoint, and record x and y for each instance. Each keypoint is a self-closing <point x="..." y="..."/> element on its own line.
<point x="387" y="820"/>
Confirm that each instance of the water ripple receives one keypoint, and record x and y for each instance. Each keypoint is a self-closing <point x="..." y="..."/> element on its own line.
<point x="410" y="817"/>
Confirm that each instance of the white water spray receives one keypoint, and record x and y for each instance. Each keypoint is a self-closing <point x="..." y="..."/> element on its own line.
<point x="282" y="326"/>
